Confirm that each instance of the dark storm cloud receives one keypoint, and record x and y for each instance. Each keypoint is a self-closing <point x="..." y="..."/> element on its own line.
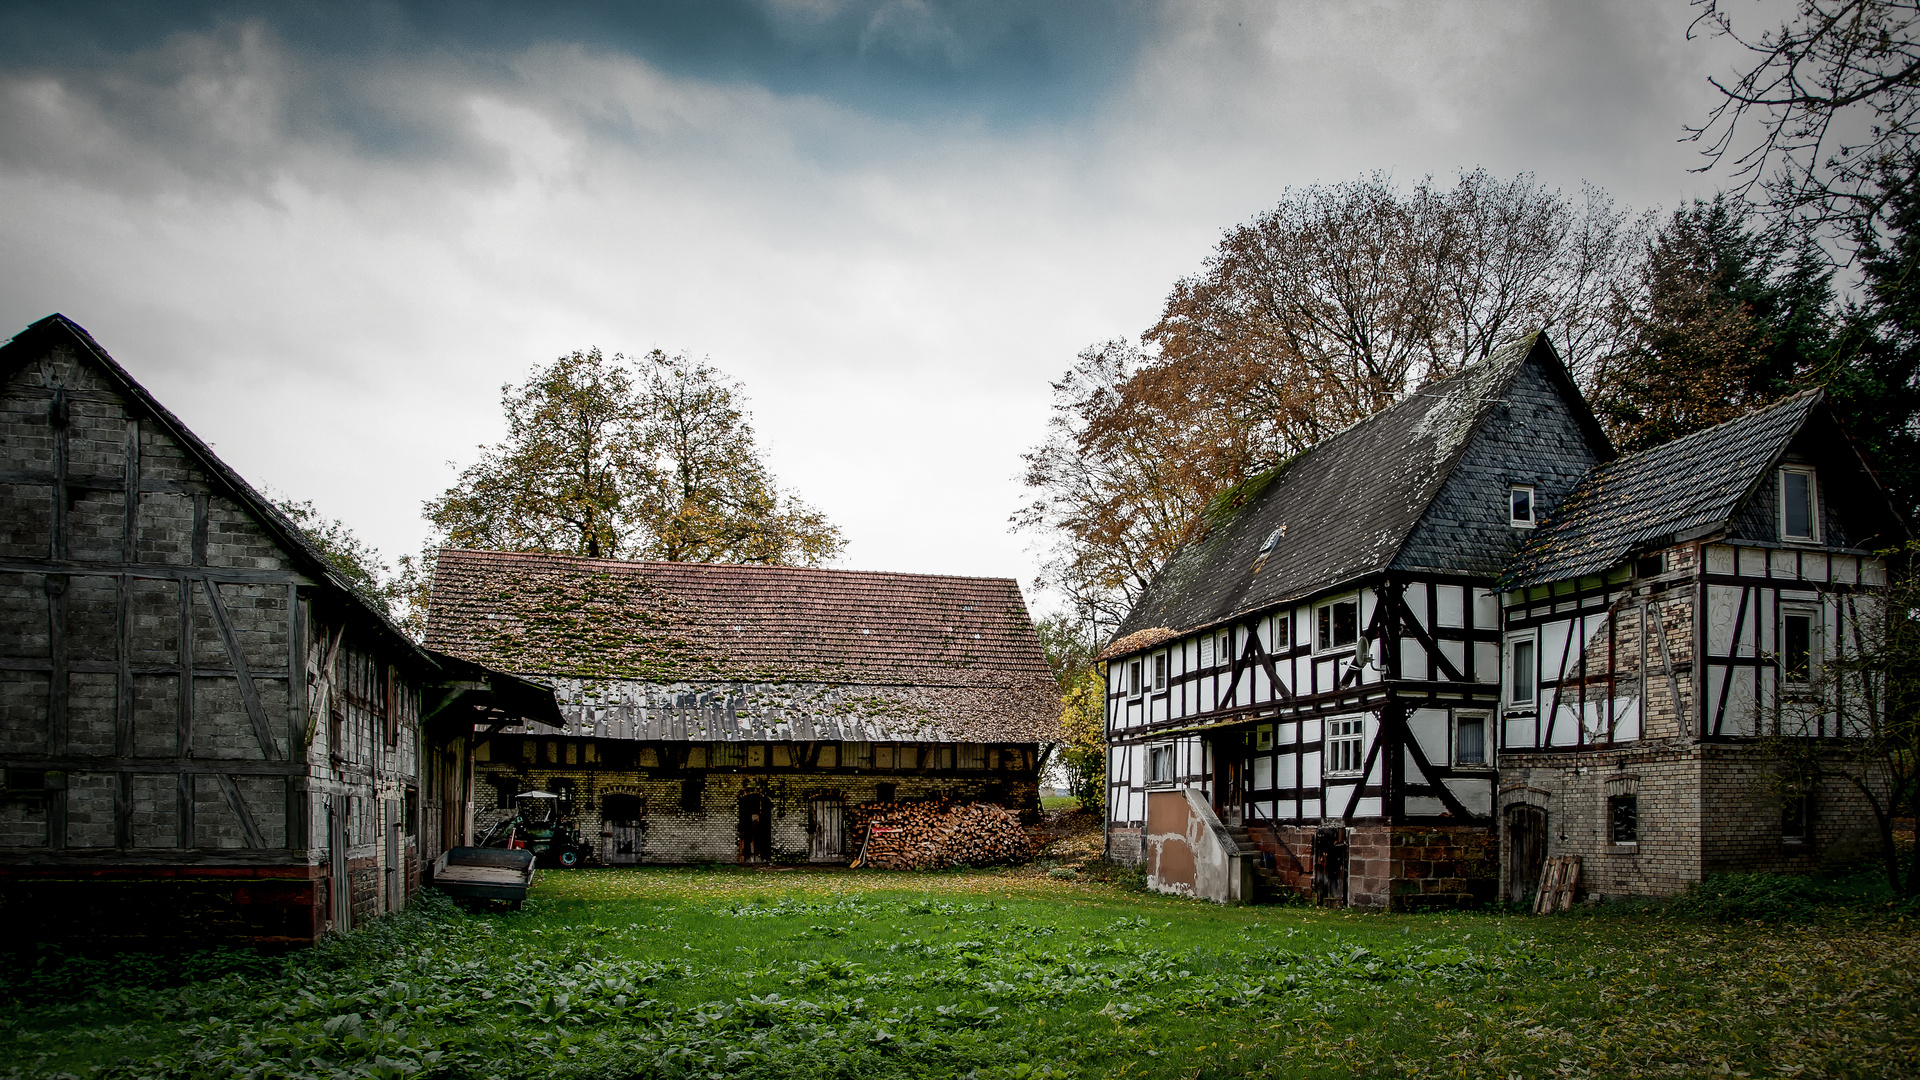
<point x="1007" y="61"/>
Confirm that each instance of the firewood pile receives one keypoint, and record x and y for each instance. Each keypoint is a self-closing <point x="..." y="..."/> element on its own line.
<point x="932" y="836"/>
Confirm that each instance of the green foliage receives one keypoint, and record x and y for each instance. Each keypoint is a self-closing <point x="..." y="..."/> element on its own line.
<point x="1008" y="974"/>
<point x="614" y="457"/>
<point x="357" y="562"/>
<point x="1763" y="897"/>
<point x="1083" y="722"/>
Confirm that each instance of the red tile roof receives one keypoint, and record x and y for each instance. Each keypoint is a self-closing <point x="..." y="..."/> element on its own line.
<point x="582" y="621"/>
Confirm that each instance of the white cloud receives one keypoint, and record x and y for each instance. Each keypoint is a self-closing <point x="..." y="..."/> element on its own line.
<point x="335" y="306"/>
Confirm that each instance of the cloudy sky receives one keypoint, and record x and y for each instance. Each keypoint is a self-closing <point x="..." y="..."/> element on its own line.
<point x="894" y="220"/>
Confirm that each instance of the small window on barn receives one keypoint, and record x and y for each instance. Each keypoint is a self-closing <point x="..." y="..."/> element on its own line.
<point x="1339" y="623"/>
<point x="1133" y="678"/>
<point x="1470" y="740"/>
<point x="690" y="791"/>
<point x="1520" y="509"/>
<point x="1345" y="736"/>
<point x="1160" y="671"/>
<point x="1623" y="812"/>
<point x="940" y="757"/>
<point x="1799" y="506"/>
<point x="1796" y="816"/>
<point x="1798" y="633"/>
<point x="1160" y="764"/>
<point x="972" y="756"/>
<point x="1522" y="670"/>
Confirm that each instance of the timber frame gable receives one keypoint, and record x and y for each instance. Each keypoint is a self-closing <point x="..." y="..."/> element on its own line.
<point x="195" y="708"/>
<point x="1332" y="646"/>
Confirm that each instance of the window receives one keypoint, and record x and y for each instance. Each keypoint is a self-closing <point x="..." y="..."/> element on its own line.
<point x="1339" y="623"/>
<point x="1133" y="678"/>
<point x="1796" y="645"/>
<point x="1521" y="670"/>
<point x="1263" y="737"/>
<point x="1160" y="764"/>
<point x="1344" y="736"/>
<point x="1282" y="631"/>
<point x="1160" y="672"/>
<point x="690" y="791"/>
<point x="1794" y="818"/>
<point x="1470" y="739"/>
<point x="1623" y="811"/>
<point x="1520" y="506"/>
<point x="1799" y="506"/>
<point x="972" y="756"/>
<point x="856" y="755"/>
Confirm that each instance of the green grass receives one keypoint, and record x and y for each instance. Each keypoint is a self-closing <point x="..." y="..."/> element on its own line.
<point x="1050" y="803"/>
<point x="996" y="974"/>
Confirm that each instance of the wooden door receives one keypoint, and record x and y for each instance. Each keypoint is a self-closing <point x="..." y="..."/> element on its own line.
<point x="1526" y="850"/>
<point x="1330" y="864"/>
<point x="1229" y="777"/>
<point x="396" y="873"/>
<point x="339" y="889"/>
<point x="827" y="821"/>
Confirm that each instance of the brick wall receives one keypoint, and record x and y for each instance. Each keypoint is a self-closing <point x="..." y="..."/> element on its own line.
<point x="711" y="834"/>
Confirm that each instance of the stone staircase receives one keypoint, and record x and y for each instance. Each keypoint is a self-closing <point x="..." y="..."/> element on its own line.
<point x="1263" y="852"/>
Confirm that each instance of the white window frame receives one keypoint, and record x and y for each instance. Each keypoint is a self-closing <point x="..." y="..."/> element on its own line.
<point x="1359" y="631"/>
<point x="1134" y="681"/>
<point x="1811" y="612"/>
<point x="1533" y="506"/>
<point x="1345" y="731"/>
<point x="1158" y="752"/>
<point x="1162" y="671"/>
<point x="1509" y="653"/>
<point x="1486" y="741"/>
<point x="1813" y="504"/>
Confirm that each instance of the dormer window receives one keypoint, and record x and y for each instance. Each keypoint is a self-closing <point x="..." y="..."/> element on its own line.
<point x="1520" y="506"/>
<point x="1799" y="506"/>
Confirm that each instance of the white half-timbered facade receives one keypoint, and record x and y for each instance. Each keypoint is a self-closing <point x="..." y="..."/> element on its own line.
<point x="1322" y="666"/>
<point x="1674" y="617"/>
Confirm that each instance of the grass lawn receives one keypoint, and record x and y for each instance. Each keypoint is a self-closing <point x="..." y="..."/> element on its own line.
<point x="1010" y="973"/>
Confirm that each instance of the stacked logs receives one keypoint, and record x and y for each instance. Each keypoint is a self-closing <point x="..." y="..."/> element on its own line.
<point x="932" y="836"/>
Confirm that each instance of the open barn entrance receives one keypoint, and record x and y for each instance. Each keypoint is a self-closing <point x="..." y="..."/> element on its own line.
<point x="756" y="828"/>
<point x="620" y="829"/>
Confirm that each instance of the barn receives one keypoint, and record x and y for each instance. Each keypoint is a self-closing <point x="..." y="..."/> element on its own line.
<point x="715" y="713"/>
<point x="206" y="735"/>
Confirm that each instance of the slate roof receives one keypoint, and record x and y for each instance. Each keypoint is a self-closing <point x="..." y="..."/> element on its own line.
<point x="1660" y="495"/>
<point x="1340" y="511"/>
<point x="702" y="651"/>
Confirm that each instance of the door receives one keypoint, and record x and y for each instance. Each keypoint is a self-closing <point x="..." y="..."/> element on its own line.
<point x="1526" y="844"/>
<point x="620" y="830"/>
<point x="827" y="826"/>
<point x="756" y="827"/>
<point x="1229" y="777"/>
<point x="396" y="873"/>
<point x="339" y="890"/>
<point x="1330" y="864"/>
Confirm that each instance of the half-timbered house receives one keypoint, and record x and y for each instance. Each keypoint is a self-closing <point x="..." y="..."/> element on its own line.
<point x="1309" y="688"/>
<point x="205" y="734"/>
<point x="722" y="713"/>
<point x="1662" y="630"/>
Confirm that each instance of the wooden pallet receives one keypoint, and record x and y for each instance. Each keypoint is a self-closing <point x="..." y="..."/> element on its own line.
<point x="1559" y="884"/>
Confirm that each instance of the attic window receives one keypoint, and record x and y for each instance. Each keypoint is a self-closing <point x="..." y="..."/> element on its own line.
<point x="1520" y="506"/>
<point x="1273" y="539"/>
<point x="1799" y="506"/>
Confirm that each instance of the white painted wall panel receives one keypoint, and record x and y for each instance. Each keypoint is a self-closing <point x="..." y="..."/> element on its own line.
<point x="1486" y="661"/>
<point x="1456" y="654"/>
<point x="1720" y="559"/>
<point x="1262" y="773"/>
<point x="1452" y="603"/>
<point x="1486" y="609"/>
<point x="1475" y="795"/>
<point x="1425" y="805"/>
<point x="1430" y="729"/>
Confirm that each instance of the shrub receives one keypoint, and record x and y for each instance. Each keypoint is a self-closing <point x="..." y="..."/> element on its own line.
<point x="1759" y="897"/>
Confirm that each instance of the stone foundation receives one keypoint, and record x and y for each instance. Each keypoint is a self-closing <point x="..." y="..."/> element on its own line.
<point x="163" y="908"/>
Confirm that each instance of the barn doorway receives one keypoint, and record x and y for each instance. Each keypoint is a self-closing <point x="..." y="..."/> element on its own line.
<point x="756" y="828"/>
<point x="1330" y="865"/>
<point x="1526" y="850"/>
<point x="826" y="824"/>
<point x="621" y="831"/>
<point x="339" y="891"/>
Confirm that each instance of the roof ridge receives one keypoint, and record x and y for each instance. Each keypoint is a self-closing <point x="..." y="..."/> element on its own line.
<point x="561" y="557"/>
